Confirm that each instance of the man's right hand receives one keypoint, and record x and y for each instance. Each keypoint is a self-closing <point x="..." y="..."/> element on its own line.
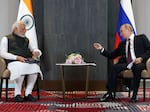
<point x="98" y="46"/>
<point x="20" y="58"/>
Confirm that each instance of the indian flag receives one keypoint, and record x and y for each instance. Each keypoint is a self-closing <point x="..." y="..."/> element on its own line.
<point x="25" y="14"/>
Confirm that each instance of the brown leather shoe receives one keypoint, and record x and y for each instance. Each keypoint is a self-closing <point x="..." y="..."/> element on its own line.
<point x="18" y="98"/>
<point x="30" y="98"/>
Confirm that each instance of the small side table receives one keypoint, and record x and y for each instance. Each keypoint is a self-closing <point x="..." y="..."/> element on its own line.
<point x="62" y="65"/>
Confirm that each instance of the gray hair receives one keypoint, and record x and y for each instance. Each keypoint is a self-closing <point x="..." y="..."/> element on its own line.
<point x="16" y="25"/>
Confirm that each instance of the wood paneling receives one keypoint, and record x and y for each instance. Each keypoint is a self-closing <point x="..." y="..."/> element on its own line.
<point x="73" y="85"/>
<point x="73" y="26"/>
<point x="66" y="26"/>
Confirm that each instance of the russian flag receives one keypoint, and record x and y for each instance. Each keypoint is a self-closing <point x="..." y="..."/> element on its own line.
<point x="125" y="16"/>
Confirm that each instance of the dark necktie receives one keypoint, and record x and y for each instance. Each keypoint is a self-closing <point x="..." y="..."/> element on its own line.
<point x="129" y="58"/>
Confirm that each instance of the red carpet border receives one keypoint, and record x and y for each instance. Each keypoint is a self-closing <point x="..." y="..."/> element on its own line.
<point x="52" y="101"/>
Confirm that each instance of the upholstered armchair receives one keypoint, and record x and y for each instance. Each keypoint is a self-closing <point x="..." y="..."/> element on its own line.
<point x="5" y="75"/>
<point x="144" y="75"/>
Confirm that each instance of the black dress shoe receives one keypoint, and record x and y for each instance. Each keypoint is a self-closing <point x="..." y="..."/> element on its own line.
<point x="107" y="96"/>
<point x="18" y="98"/>
<point x="29" y="98"/>
<point x="134" y="98"/>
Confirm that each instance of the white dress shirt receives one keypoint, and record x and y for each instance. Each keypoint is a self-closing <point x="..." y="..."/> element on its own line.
<point x="131" y="50"/>
<point x="18" y="68"/>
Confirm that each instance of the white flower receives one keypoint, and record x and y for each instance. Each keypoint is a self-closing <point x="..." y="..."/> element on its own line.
<point x="74" y="58"/>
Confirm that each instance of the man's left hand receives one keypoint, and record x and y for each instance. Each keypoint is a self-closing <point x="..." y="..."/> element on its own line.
<point x="138" y="60"/>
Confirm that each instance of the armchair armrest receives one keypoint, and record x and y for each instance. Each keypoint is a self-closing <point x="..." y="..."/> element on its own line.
<point x="2" y="66"/>
<point x="148" y="65"/>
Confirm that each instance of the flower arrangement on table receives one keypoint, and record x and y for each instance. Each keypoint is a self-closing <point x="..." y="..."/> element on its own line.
<point x="74" y="58"/>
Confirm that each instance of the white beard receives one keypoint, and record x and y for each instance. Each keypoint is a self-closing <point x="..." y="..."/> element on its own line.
<point x="21" y="35"/>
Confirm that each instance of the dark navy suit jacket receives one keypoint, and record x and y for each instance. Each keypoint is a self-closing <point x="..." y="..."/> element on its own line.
<point x="141" y="48"/>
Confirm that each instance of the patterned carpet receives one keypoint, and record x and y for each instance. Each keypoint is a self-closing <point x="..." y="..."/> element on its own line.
<point x="52" y="101"/>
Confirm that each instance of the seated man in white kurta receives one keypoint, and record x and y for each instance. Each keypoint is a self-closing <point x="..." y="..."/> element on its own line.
<point x="15" y="48"/>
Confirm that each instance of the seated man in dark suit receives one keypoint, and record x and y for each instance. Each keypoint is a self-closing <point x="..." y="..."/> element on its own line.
<point x="134" y="52"/>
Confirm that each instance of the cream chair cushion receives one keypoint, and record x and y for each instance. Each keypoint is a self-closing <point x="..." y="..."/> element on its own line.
<point x="4" y="72"/>
<point x="126" y="74"/>
<point x="146" y="72"/>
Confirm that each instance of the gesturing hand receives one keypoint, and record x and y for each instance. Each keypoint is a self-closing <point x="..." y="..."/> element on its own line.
<point x="97" y="46"/>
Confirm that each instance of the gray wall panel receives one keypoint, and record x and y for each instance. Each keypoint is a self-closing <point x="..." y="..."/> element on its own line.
<point x="142" y="16"/>
<point x="73" y="26"/>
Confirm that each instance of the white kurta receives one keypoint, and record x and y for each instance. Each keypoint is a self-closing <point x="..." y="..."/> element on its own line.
<point x="18" y="68"/>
